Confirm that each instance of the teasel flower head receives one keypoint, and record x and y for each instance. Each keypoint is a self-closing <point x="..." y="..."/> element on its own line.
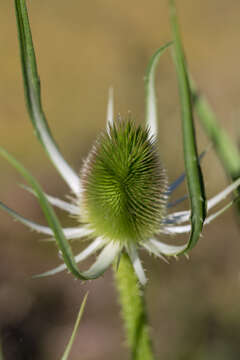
<point x="124" y="185"/>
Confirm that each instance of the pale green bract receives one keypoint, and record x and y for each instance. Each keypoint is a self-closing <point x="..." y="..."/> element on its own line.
<point x="121" y="195"/>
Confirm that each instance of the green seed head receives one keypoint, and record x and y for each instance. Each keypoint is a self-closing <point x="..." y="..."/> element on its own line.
<point x="124" y="185"/>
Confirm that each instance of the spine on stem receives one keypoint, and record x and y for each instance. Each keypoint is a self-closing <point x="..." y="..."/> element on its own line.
<point x="133" y="311"/>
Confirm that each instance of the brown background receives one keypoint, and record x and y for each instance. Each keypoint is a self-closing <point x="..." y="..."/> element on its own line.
<point x="82" y="49"/>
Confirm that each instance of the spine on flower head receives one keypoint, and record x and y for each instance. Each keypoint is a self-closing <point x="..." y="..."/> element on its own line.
<point x="124" y="184"/>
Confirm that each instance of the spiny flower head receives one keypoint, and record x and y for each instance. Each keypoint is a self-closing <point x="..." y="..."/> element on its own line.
<point x="123" y="185"/>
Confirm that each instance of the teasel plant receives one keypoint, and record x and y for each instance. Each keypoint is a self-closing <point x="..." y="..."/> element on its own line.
<point x="121" y="195"/>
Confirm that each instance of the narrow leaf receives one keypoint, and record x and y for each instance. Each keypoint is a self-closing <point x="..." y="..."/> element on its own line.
<point x="76" y="326"/>
<point x="151" y="102"/>
<point x="193" y="170"/>
<point x="33" y="97"/>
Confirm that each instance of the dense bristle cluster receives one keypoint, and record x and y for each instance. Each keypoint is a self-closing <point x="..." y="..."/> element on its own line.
<point x="124" y="185"/>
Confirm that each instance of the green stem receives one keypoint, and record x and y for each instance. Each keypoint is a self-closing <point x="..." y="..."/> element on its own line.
<point x="133" y="311"/>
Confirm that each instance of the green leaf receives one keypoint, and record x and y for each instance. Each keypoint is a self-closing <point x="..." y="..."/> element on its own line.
<point x="150" y="92"/>
<point x="193" y="170"/>
<point x="33" y="97"/>
<point x="51" y="218"/>
<point x="76" y="326"/>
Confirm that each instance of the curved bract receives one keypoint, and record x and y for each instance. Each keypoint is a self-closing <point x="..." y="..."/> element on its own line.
<point x="193" y="170"/>
<point x="33" y="98"/>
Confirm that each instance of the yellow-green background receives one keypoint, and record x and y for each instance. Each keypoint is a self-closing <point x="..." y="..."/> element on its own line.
<point x="83" y="48"/>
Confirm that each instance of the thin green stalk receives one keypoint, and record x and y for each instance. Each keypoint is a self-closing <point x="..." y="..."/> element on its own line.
<point x="134" y="315"/>
<point x="226" y="150"/>
<point x="74" y="333"/>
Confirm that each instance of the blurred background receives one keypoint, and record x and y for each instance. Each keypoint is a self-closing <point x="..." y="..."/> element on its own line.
<point x="82" y="49"/>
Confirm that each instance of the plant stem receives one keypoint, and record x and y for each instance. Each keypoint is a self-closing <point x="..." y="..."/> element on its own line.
<point x="134" y="315"/>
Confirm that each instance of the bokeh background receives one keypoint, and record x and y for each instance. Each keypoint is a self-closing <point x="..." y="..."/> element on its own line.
<point x="83" y="48"/>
